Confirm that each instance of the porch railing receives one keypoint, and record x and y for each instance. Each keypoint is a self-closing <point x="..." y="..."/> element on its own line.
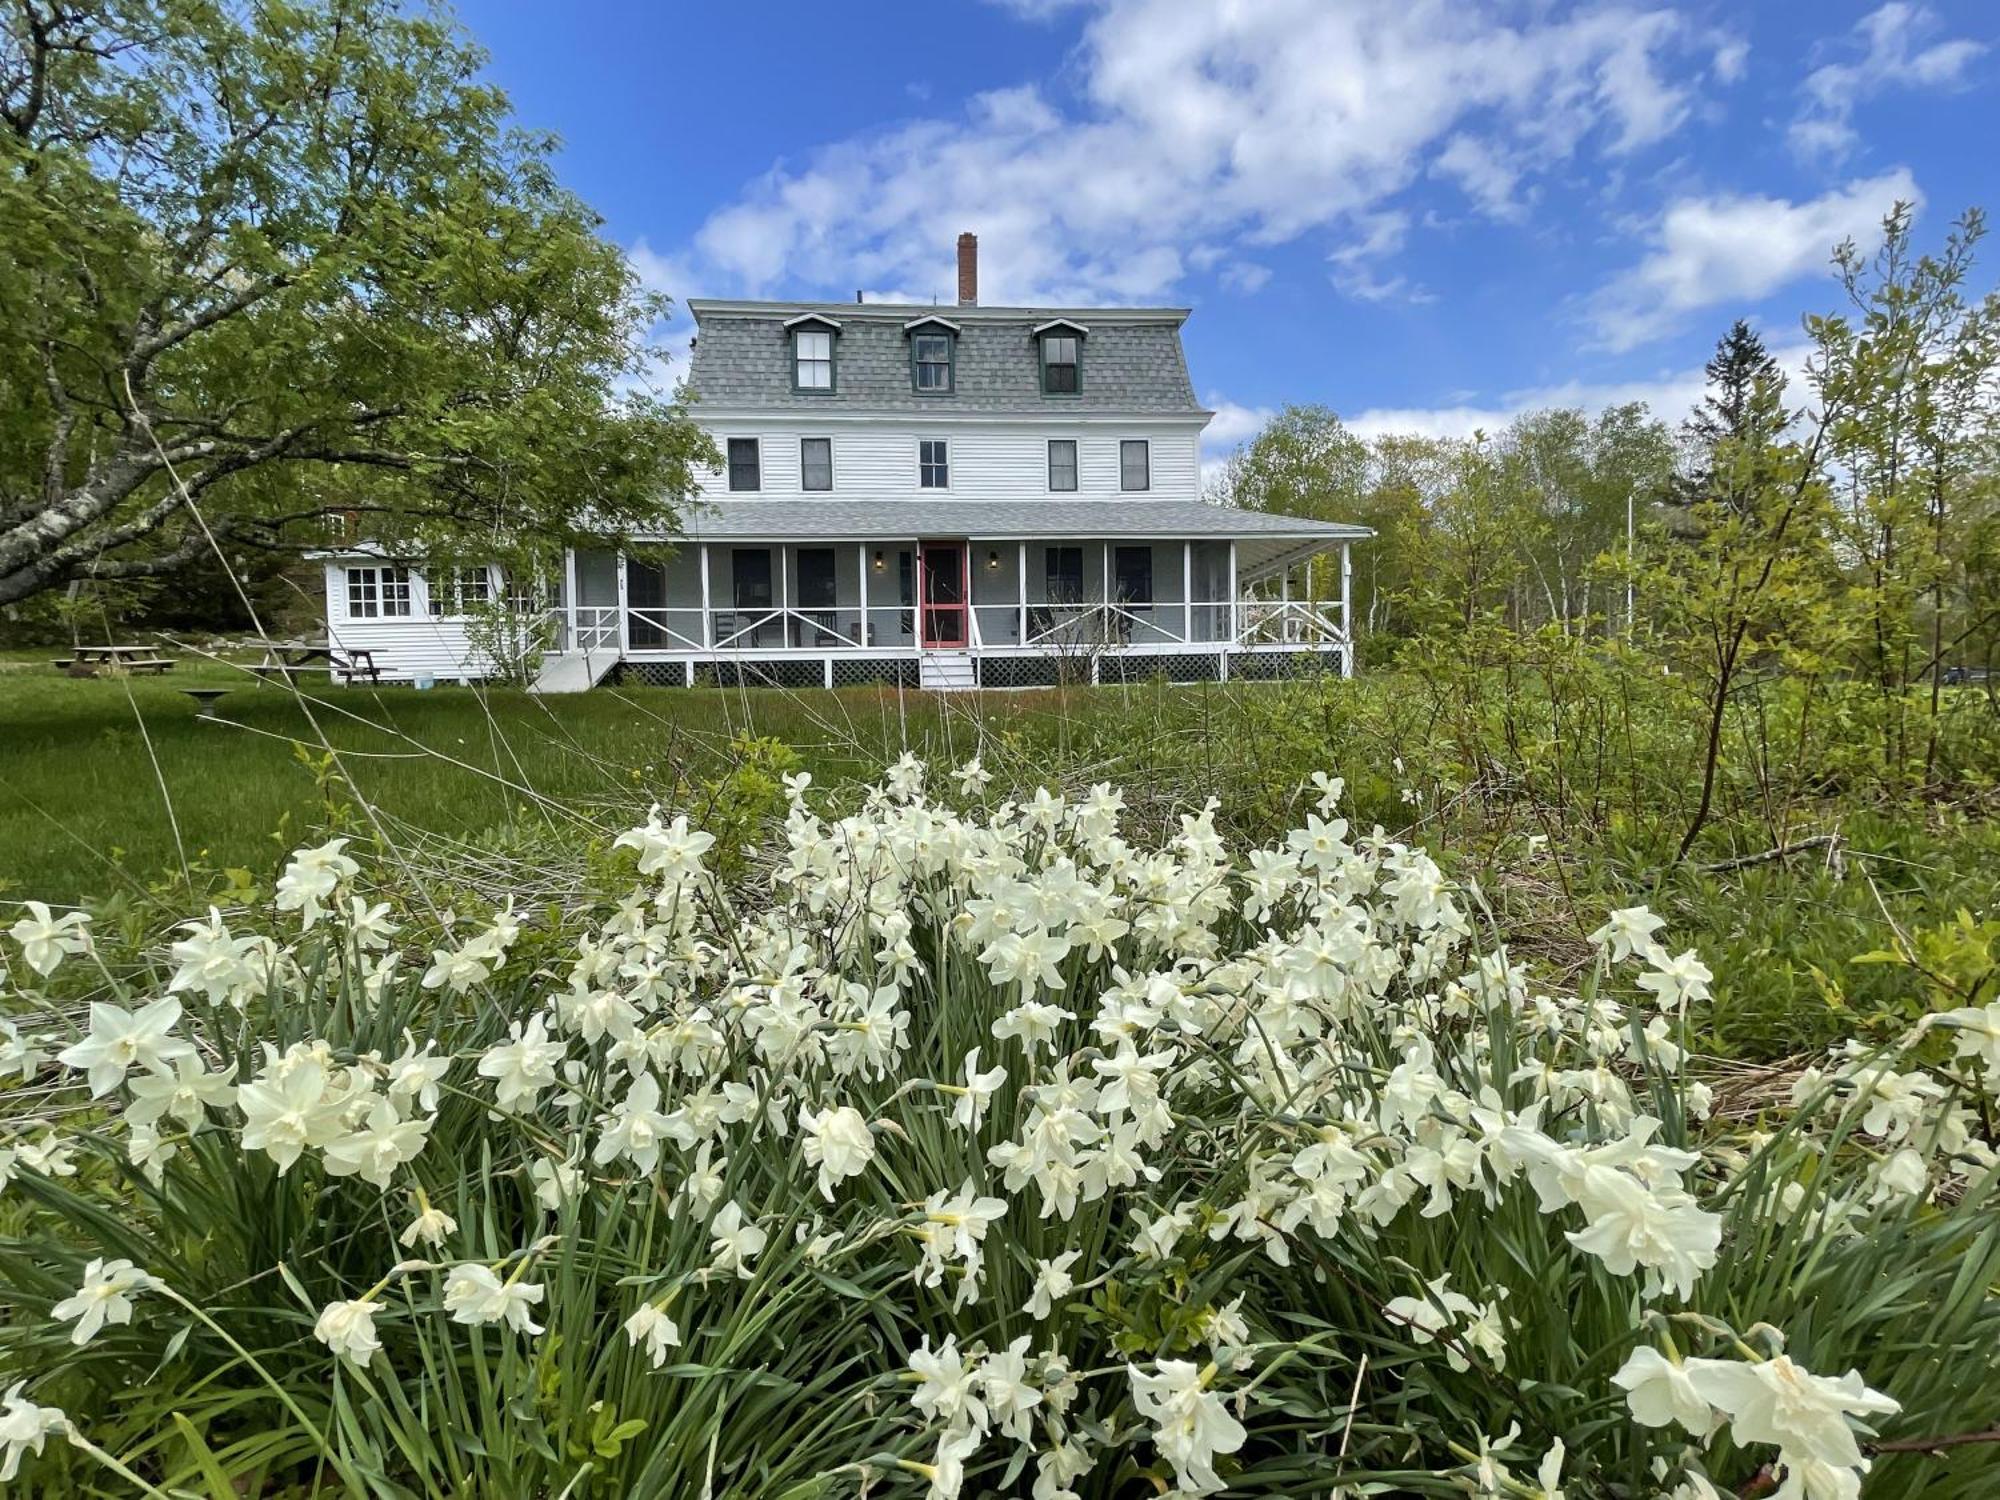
<point x="1040" y="626"/>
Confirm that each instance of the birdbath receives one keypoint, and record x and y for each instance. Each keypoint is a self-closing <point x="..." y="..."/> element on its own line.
<point x="205" y="698"/>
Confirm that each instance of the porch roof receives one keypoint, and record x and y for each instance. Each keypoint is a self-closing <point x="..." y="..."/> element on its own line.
<point x="1001" y="521"/>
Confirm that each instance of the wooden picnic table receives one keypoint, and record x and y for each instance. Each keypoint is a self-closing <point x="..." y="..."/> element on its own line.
<point x="130" y="658"/>
<point x="293" y="661"/>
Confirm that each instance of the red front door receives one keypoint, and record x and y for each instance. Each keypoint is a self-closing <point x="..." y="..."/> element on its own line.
<point x="943" y="595"/>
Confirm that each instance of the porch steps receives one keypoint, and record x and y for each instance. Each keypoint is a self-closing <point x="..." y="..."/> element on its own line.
<point x="947" y="671"/>
<point x="573" y="671"/>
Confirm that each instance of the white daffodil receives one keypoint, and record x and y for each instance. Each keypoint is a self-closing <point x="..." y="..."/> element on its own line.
<point x="1052" y="1283"/>
<point x="375" y="1148"/>
<point x="838" y="1142"/>
<point x="415" y="1075"/>
<point x="671" y="851"/>
<point x="188" y="1093"/>
<point x="432" y="1226"/>
<point x="369" y="926"/>
<point x="522" y="1067"/>
<point x="635" y="1127"/>
<point x="651" y="1326"/>
<point x="1678" y="981"/>
<point x="474" y="1295"/>
<point x="348" y="1329"/>
<point x="105" y="1297"/>
<point x="1628" y="932"/>
<point x="1661" y="1392"/>
<point x="1778" y="1401"/>
<point x="312" y="877"/>
<point x="288" y="1109"/>
<point x="1003" y="1384"/>
<point x="947" y="1387"/>
<point x="1191" y="1424"/>
<point x="973" y="778"/>
<point x="46" y="940"/>
<point x="224" y="968"/>
<point x="734" y="1242"/>
<point x="120" y="1040"/>
<point x="978" y="1091"/>
<point x="1978" y="1028"/>
<point x="24" y="1427"/>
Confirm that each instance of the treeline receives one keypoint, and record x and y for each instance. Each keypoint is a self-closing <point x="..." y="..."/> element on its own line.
<point x="1813" y="563"/>
<point x="1876" y="477"/>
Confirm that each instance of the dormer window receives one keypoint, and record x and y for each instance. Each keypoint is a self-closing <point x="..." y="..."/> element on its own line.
<point x="933" y="356"/>
<point x="812" y="352"/>
<point x="1062" y="357"/>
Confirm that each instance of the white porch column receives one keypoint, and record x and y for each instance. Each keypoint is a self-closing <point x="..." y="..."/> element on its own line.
<point x="784" y="599"/>
<point x="1235" y="618"/>
<point x="1187" y="593"/>
<point x="624" y="623"/>
<point x="1346" y="613"/>
<point x="707" y="626"/>
<point x="1106" y="545"/>
<point x="1021" y="579"/>
<point x="570" y="643"/>
<point x="861" y="568"/>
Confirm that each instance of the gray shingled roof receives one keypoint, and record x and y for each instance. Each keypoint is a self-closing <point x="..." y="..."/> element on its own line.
<point x="997" y="520"/>
<point x="1132" y="360"/>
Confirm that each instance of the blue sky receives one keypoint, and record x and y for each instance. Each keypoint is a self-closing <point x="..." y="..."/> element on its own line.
<point x="1427" y="214"/>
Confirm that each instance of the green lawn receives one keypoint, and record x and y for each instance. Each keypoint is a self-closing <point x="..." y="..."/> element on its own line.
<point x="112" y="781"/>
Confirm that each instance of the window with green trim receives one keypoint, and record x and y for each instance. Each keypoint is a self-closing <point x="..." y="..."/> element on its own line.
<point x="930" y="363"/>
<point x="1062" y="364"/>
<point x="812" y="359"/>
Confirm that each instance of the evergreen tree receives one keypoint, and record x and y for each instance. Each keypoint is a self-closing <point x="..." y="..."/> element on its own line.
<point x="1743" y="407"/>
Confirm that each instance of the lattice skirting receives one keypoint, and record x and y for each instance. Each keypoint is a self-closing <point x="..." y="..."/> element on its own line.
<point x="994" y="671"/>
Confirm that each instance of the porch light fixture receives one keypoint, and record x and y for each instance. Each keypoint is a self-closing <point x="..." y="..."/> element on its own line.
<point x="878" y="559"/>
<point x="993" y="559"/>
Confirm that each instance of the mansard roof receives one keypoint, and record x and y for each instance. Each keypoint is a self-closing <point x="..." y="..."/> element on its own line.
<point x="1132" y="362"/>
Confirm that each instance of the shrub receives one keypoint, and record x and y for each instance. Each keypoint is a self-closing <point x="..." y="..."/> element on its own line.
<point x="964" y="1146"/>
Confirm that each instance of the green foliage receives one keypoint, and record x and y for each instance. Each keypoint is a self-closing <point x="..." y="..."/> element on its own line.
<point x="298" y="259"/>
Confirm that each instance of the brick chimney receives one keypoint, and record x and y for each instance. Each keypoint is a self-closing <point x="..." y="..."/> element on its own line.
<point x="968" y="270"/>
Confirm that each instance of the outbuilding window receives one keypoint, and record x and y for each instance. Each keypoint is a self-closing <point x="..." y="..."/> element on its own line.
<point x="378" y="593"/>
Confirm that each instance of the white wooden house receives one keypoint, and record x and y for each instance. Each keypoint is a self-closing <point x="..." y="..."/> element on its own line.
<point x="940" y="497"/>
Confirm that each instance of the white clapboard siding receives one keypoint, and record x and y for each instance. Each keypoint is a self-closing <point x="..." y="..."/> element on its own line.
<point x="403" y="647"/>
<point x="988" y="461"/>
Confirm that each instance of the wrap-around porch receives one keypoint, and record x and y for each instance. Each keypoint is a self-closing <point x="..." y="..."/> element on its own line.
<point x="965" y="610"/>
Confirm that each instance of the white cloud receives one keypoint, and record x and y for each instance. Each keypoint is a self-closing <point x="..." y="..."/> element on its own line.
<point x="1890" y="57"/>
<point x="1669" y="395"/>
<point x="1210" y="123"/>
<point x="1245" y="276"/>
<point x="1734" y="249"/>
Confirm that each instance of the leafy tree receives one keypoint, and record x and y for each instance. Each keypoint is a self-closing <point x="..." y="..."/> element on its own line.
<point x="1908" y="381"/>
<point x="1730" y="410"/>
<point x="264" y="269"/>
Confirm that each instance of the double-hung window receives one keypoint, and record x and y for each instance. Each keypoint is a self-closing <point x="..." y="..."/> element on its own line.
<point x="1062" y="463"/>
<point x="815" y="463"/>
<point x="1062" y="373"/>
<point x="933" y="464"/>
<point x="745" y="468"/>
<point x="812" y="359"/>
<point x="1135" y="464"/>
<point x="459" y="591"/>
<point x="930" y="363"/>
<point x="378" y="593"/>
